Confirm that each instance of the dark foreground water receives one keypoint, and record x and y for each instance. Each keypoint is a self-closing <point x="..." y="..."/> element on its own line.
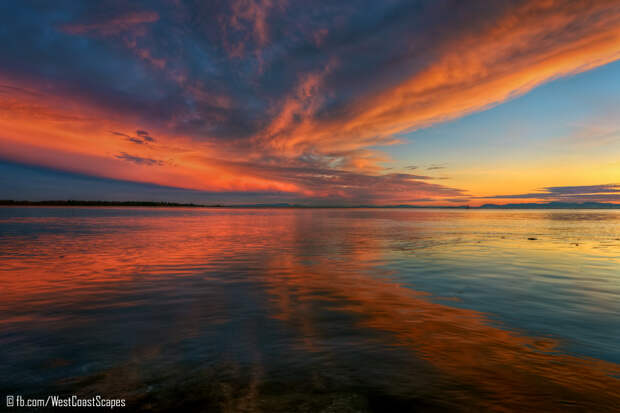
<point x="319" y="310"/>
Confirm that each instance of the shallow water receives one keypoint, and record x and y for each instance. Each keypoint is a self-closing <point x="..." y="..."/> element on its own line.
<point x="313" y="309"/>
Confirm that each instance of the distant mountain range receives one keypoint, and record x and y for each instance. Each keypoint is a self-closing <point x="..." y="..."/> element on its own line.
<point x="554" y="205"/>
<point x="547" y="205"/>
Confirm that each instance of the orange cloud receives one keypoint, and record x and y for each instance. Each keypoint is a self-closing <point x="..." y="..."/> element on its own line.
<point x="247" y="28"/>
<point x="129" y="26"/>
<point x="114" y="25"/>
<point x="535" y="43"/>
<point x="65" y="133"/>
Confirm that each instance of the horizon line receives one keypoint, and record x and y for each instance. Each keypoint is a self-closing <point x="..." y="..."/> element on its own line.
<point x="164" y="204"/>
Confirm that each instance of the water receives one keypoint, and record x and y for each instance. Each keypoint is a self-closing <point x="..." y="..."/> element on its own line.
<point x="334" y="310"/>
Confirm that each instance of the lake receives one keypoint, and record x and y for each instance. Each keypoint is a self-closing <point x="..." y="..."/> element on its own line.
<point x="329" y="310"/>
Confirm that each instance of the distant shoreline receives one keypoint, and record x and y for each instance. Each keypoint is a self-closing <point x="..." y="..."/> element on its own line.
<point x="153" y="204"/>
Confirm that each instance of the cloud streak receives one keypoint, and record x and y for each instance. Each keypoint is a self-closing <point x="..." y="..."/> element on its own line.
<point x="113" y="25"/>
<point x="582" y="193"/>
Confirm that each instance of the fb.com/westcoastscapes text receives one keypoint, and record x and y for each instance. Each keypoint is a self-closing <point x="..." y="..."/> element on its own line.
<point x="63" y="401"/>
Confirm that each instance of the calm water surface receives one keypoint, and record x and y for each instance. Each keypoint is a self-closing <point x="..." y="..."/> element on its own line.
<point x="333" y="310"/>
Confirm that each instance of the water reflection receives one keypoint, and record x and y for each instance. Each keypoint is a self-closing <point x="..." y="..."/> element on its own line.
<point x="307" y="310"/>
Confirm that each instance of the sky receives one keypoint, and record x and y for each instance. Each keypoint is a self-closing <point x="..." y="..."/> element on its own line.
<point x="438" y="102"/>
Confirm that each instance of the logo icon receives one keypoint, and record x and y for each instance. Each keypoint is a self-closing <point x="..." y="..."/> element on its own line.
<point x="10" y="401"/>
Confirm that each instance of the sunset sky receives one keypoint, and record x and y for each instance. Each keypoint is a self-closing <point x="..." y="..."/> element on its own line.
<point x="311" y="102"/>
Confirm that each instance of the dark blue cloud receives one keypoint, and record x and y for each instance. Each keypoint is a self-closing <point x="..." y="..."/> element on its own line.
<point x="583" y="189"/>
<point x="141" y="138"/>
<point x="40" y="184"/>
<point x="581" y="193"/>
<point x="140" y="160"/>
